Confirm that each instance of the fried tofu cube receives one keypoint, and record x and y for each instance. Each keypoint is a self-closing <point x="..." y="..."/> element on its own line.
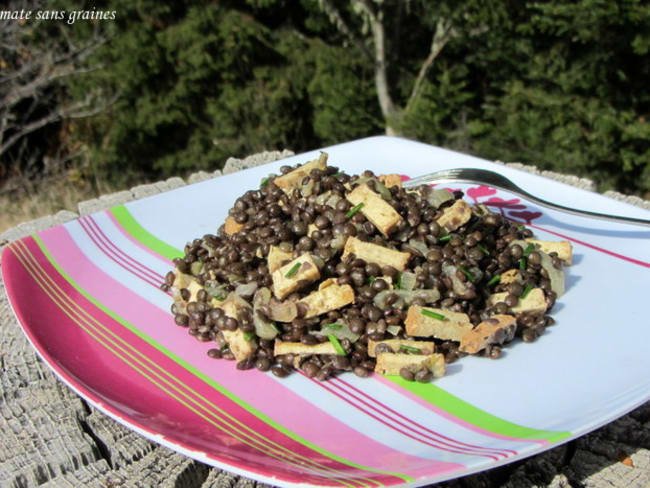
<point x="373" y="253"/>
<point x="375" y="209"/>
<point x="563" y="249"/>
<point x="391" y="180"/>
<point x="452" y="328"/>
<point x="327" y="298"/>
<point x="534" y="301"/>
<point x="510" y="276"/>
<point x="187" y="281"/>
<point x="403" y="345"/>
<point x="298" y="348"/>
<point x="231" y="226"/>
<point x="181" y="280"/>
<point x="495" y="330"/>
<point x="294" y="275"/>
<point x="392" y="363"/>
<point x="455" y="216"/>
<point x="194" y="289"/>
<point x="241" y="346"/>
<point x="276" y="257"/>
<point x="294" y="178"/>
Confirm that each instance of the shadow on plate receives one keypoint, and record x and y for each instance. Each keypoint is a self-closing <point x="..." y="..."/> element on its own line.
<point x="453" y="368"/>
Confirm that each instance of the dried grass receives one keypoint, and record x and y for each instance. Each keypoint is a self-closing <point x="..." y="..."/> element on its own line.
<point x="29" y="200"/>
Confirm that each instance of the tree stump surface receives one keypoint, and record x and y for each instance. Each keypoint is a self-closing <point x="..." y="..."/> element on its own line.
<point x="53" y="438"/>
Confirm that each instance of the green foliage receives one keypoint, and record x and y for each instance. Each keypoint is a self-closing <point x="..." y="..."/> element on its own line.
<point x="577" y="101"/>
<point x="556" y="84"/>
<point x="561" y="84"/>
<point x="342" y="95"/>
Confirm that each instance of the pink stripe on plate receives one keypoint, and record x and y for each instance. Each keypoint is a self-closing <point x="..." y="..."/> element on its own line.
<point x="294" y="412"/>
<point x="399" y="419"/>
<point x="149" y="408"/>
<point x="113" y="256"/>
<point x="126" y="234"/>
<point x="332" y="387"/>
<point x="144" y="269"/>
<point x="450" y="417"/>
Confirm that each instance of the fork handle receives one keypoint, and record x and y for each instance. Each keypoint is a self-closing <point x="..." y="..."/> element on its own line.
<point x="512" y="188"/>
<point x="574" y="211"/>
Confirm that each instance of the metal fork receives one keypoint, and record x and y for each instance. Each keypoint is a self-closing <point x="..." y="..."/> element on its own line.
<point x="490" y="178"/>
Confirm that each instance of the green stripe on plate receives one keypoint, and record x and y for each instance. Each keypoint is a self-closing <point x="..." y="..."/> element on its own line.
<point x="473" y="415"/>
<point x="141" y="234"/>
<point x="202" y="376"/>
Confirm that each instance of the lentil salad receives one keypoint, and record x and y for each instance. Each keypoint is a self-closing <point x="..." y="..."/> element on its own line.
<point x="325" y="272"/>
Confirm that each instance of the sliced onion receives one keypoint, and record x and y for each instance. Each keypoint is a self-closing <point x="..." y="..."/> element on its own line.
<point x="264" y="327"/>
<point x="343" y="332"/>
<point x="406" y="297"/>
<point x="307" y="189"/>
<point x="246" y="290"/>
<point x="555" y="276"/>
<point x="339" y="241"/>
<point x="216" y="289"/>
<point x="459" y="286"/>
<point x="234" y="278"/>
<point x="438" y="197"/>
<point x="393" y="330"/>
<point x="408" y="281"/>
<point x="477" y="273"/>
<point x="333" y="200"/>
<point x="320" y="264"/>
<point x="322" y="198"/>
<point x="210" y="250"/>
<point x="419" y="245"/>
<point x="282" y="311"/>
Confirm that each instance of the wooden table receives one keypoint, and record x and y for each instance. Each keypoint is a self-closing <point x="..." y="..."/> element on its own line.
<point x="53" y="438"/>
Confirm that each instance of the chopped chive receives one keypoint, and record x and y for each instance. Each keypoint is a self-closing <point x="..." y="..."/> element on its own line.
<point x="521" y="226"/>
<point x="221" y="298"/>
<point x="529" y="248"/>
<point x="433" y="315"/>
<point x="264" y="182"/>
<point x="469" y="275"/>
<point x="398" y="283"/>
<point x="337" y="345"/>
<point x="522" y="263"/>
<point x="494" y="280"/>
<point x="526" y="290"/>
<point x="354" y="210"/>
<point x="294" y="269"/>
<point x="444" y="238"/>
<point x="334" y="326"/>
<point x="410" y="349"/>
<point x="371" y="279"/>
<point x="249" y="335"/>
<point x="482" y="248"/>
